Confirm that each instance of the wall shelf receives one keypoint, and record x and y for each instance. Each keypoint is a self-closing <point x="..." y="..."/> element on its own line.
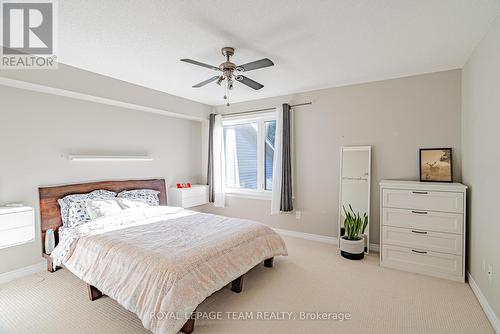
<point x="79" y="157"/>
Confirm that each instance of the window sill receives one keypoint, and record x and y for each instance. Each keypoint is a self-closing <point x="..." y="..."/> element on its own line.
<point x="266" y="196"/>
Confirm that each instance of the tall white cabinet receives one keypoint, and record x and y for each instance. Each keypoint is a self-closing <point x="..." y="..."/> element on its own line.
<point x="422" y="227"/>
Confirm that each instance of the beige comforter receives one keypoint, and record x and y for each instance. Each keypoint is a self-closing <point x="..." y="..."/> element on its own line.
<point x="162" y="262"/>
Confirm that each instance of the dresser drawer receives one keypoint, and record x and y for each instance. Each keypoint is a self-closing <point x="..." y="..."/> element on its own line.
<point x="431" y="263"/>
<point x="424" y="200"/>
<point x="195" y="191"/>
<point x="424" y="220"/>
<point x="188" y="197"/>
<point x="16" y="227"/>
<point x="426" y="240"/>
<point x="17" y="236"/>
<point x="193" y="201"/>
<point x="16" y="220"/>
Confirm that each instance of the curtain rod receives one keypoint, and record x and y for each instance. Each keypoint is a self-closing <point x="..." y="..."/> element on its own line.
<point x="265" y="109"/>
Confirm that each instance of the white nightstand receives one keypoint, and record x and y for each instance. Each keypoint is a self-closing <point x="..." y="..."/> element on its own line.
<point x="188" y="197"/>
<point x="17" y="226"/>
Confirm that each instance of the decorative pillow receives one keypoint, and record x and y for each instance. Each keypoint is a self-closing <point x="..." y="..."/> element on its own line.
<point x="77" y="214"/>
<point x="149" y="196"/>
<point x="65" y="201"/>
<point x="100" y="208"/>
<point x="129" y="204"/>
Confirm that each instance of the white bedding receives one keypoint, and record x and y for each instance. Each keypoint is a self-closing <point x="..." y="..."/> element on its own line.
<point x="124" y="219"/>
<point x="163" y="261"/>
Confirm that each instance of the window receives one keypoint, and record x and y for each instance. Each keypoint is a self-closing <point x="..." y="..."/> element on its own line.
<point x="249" y="154"/>
<point x="241" y="155"/>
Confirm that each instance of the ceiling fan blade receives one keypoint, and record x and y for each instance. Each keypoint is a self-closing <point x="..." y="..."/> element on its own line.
<point x="255" y="65"/>
<point x="194" y="62"/>
<point x="203" y="83"/>
<point x="249" y="82"/>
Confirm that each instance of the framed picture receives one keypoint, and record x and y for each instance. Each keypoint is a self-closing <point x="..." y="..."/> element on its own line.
<point x="436" y="165"/>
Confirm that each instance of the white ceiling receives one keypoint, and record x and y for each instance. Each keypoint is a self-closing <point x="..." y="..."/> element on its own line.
<point x="314" y="44"/>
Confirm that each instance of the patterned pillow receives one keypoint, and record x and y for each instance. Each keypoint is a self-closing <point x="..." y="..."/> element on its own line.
<point x="77" y="214"/>
<point x="149" y="196"/>
<point x="65" y="201"/>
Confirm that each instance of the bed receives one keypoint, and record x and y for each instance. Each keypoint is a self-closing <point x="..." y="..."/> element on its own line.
<point x="159" y="262"/>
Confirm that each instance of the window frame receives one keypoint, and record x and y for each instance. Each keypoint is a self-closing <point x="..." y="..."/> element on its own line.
<point x="260" y="119"/>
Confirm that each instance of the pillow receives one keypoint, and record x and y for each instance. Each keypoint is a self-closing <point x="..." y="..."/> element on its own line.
<point x="146" y="195"/>
<point x="129" y="204"/>
<point x="65" y="201"/>
<point x="100" y="208"/>
<point x="77" y="214"/>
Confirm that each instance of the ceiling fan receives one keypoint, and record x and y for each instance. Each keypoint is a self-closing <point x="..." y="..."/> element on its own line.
<point x="231" y="71"/>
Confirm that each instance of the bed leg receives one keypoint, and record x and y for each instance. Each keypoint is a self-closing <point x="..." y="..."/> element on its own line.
<point x="188" y="326"/>
<point x="269" y="262"/>
<point x="94" y="293"/>
<point x="50" y="264"/>
<point x="50" y="267"/>
<point x="237" y="284"/>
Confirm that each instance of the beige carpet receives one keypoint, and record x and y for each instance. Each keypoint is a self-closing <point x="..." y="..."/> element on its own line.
<point x="314" y="278"/>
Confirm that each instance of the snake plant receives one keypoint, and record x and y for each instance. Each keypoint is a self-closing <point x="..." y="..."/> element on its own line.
<point x="354" y="223"/>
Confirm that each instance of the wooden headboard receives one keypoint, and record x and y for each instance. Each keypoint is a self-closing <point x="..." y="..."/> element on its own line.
<point x="50" y="214"/>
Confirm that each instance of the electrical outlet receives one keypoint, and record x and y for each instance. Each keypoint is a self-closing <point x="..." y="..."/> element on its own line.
<point x="484" y="265"/>
<point x="490" y="272"/>
<point x="298" y="214"/>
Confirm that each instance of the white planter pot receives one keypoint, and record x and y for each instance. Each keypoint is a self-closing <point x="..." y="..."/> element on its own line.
<point x="365" y="238"/>
<point x="352" y="249"/>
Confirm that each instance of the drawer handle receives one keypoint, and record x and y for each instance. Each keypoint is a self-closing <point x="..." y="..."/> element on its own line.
<point x="419" y="252"/>
<point x="420" y="212"/>
<point x="420" y="192"/>
<point x="419" y="232"/>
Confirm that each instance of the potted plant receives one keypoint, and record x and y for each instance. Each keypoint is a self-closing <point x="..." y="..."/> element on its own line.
<point x="352" y="246"/>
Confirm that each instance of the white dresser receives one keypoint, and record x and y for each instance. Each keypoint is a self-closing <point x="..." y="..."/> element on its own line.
<point x="17" y="226"/>
<point x="188" y="197"/>
<point x="423" y="227"/>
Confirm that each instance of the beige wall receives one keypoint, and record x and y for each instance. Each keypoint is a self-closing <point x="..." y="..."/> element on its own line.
<point x="396" y="117"/>
<point x="481" y="161"/>
<point x="38" y="130"/>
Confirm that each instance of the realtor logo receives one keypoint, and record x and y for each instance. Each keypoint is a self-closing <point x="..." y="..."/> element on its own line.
<point x="28" y="34"/>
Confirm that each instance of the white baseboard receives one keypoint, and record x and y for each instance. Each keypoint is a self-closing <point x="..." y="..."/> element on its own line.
<point x="320" y="238"/>
<point x="490" y="314"/>
<point x="21" y="272"/>
<point x="308" y="236"/>
<point x="375" y="248"/>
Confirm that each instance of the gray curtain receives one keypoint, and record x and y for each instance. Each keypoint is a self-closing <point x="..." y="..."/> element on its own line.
<point x="210" y="173"/>
<point x="286" y="185"/>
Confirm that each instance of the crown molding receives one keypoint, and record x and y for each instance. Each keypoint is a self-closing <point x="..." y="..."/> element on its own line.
<point x="92" y="98"/>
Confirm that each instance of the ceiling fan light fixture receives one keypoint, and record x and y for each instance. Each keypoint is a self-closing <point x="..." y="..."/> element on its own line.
<point x="231" y="71"/>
